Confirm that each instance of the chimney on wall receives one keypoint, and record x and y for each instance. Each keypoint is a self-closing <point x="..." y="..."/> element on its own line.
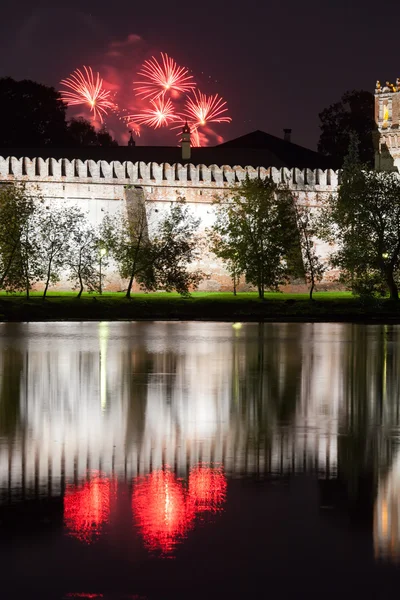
<point x="287" y="135"/>
<point x="185" y="142"/>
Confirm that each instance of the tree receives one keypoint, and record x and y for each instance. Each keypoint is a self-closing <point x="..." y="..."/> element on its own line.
<point x="16" y="208"/>
<point x="364" y="220"/>
<point x="32" y="115"/>
<point x="83" y="258"/>
<point x="30" y="259"/>
<point x="81" y="132"/>
<point x="354" y="113"/>
<point x="256" y="226"/>
<point x="307" y="225"/>
<point x="105" y="139"/>
<point x="221" y="248"/>
<point x="154" y="250"/>
<point x="57" y="228"/>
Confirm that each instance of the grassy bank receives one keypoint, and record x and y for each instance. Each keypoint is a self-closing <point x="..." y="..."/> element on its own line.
<point x="340" y="306"/>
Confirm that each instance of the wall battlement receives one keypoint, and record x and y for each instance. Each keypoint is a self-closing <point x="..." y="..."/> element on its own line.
<point x="99" y="188"/>
<point x="154" y="174"/>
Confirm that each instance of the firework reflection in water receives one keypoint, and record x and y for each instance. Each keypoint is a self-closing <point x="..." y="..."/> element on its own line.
<point x="160" y="507"/>
<point x="87" y="507"/>
<point x="207" y="488"/>
<point x="165" y="510"/>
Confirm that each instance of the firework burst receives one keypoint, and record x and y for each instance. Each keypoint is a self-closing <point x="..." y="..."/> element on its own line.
<point x="203" y="109"/>
<point x="162" y="77"/>
<point x="83" y="87"/>
<point x="161" y="113"/>
<point x="195" y="137"/>
<point x="194" y="132"/>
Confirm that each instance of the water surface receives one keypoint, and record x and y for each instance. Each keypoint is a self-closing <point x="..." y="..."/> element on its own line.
<point x="199" y="460"/>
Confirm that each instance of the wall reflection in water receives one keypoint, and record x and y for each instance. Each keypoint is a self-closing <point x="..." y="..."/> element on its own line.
<point x="86" y="406"/>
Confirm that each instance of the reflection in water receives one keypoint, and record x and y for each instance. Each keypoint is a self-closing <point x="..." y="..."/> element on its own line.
<point x="207" y="488"/>
<point x="103" y="334"/>
<point x="165" y="510"/>
<point x="161" y="508"/>
<point x="387" y="514"/>
<point x="84" y="406"/>
<point x="87" y="507"/>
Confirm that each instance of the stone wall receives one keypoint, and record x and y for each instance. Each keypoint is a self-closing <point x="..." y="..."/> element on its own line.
<point x="100" y="187"/>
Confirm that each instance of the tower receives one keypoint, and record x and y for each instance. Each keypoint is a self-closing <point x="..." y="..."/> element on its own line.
<point x="131" y="141"/>
<point x="387" y="119"/>
<point x="185" y="142"/>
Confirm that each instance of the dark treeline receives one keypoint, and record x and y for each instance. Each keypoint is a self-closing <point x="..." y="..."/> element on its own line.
<point x="32" y="115"/>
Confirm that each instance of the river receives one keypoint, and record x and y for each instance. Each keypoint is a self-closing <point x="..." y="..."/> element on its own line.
<point x="199" y="460"/>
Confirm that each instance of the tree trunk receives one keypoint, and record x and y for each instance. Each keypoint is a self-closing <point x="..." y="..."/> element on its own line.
<point x="128" y="291"/>
<point x="80" y="274"/>
<point x="133" y="272"/>
<point x="393" y="289"/>
<point x="312" y="288"/>
<point x="234" y="284"/>
<point x="5" y="273"/>
<point x="47" y="284"/>
<point x="25" y="271"/>
<point x="48" y="276"/>
<point x="81" y="288"/>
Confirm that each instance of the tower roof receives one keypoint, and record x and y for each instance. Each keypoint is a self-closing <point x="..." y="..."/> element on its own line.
<point x="186" y="128"/>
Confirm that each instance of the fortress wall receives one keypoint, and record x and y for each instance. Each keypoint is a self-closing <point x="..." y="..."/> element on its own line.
<point x="98" y="187"/>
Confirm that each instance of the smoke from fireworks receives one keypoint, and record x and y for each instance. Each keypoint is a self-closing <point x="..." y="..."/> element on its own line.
<point x="161" y="77"/>
<point x="205" y="109"/>
<point x="87" y="89"/>
<point x="161" y="113"/>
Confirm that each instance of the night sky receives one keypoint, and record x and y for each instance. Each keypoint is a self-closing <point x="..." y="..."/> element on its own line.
<point x="278" y="64"/>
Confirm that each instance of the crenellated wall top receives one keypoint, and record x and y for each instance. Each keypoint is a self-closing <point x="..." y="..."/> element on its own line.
<point x="157" y="174"/>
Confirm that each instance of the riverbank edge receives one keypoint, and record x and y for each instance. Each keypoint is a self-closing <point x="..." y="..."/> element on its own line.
<point x="17" y="309"/>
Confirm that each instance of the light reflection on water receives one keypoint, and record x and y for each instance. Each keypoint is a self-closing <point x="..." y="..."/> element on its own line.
<point x="152" y="421"/>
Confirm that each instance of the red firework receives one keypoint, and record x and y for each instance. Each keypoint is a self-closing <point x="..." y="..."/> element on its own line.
<point x="87" y="89"/>
<point x="194" y="132"/>
<point x="161" y="77"/>
<point x="194" y="137"/>
<point x="205" y="109"/>
<point x="161" y="113"/>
